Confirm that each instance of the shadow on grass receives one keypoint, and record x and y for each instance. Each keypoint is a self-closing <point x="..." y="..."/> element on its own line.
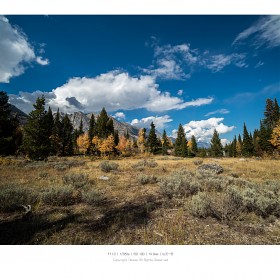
<point x="31" y="229"/>
<point x="129" y="215"/>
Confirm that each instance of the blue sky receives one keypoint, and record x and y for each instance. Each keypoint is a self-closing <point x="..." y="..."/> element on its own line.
<point x="204" y="72"/>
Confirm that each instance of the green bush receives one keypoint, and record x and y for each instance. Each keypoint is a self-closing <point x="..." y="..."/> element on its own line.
<point x="13" y="196"/>
<point x="200" y="205"/>
<point x="178" y="185"/>
<point x="144" y="163"/>
<point x="78" y="181"/>
<point x="146" y="179"/>
<point x="107" y="166"/>
<point x="92" y="197"/>
<point x="61" y="196"/>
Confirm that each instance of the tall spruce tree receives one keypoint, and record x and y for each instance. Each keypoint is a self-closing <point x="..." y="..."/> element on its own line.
<point x="67" y="136"/>
<point x="193" y="147"/>
<point x="92" y="128"/>
<point x="152" y="141"/>
<point x="36" y="138"/>
<point x="104" y="125"/>
<point x="216" y="145"/>
<point x="233" y="149"/>
<point x="56" y="137"/>
<point x="247" y="146"/>
<point x="180" y="145"/>
<point x="9" y="127"/>
<point x="81" y="127"/>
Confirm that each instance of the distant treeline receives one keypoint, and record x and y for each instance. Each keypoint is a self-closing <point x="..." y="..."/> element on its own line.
<point x="44" y="135"/>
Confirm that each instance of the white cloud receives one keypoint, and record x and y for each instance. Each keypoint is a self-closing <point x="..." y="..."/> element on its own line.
<point x="180" y="92"/>
<point x="264" y="32"/>
<point x="216" y="63"/>
<point x="178" y="62"/>
<point x="15" y="51"/>
<point x="115" y="91"/>
<point x="259" y="64"/>
<point x="42" y="61"/>
<point x="159" y="122"/>
<point x="119" y="115"/>
<point x="203" y="130"/>
<point x="220" y="111"/>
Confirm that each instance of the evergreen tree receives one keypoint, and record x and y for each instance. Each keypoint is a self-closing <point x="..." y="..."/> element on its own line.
<point x="56" y="137"/>
<point x="276" y="112"/>
<point x="92" y="128"/>
<point x="81" y="127"/>
<point x="192" y="147"/>
<point x="49" y="126"/>
<point x="67" y="136"/>
<point x="10" y="134"/>
<point x="116" y="137"/>
<point x="256" y="143"/>
<point x="104" y="125"/>
<point x="234" y="149"/>
<point x="165" y="143"/>
<point x="152" y="141"/>
<point x="36" y="140"/>
<point x="247" y="146"/>
<point x="180" y="145"/>
<point x="269" y="114"/>
<point x="216" y="145"/>
<point x="264" y="137"/>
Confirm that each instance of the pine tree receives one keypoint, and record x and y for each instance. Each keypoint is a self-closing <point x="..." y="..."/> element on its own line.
<point x="10" y="134"/>
<point x="92" y="128"/>
<point x="67" y="137"/>
<point x="50" y="125"/>
<point x="104" y="125"/>
<point x="165" y="143"/>
<point x="81" y="127"/>
<point x="180" y="146"/>
<point x="192" y="145"/>
<point x="116" y="137"/>
<point x="56" y="137"/>
<point x="234" y="147"/>
<point x="256" y="143"/>
<point x="36" y="140"/>
<point x="264" y="137"/>
<point x="247" y="146"/>
<point x="269" y="114"/>
<point x="216" y="145"/>
<point x="152" y="141"/>
<point x="276" y="112"/>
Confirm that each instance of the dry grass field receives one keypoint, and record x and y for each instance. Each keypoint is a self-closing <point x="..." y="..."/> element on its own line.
<point x="146" y="200"/>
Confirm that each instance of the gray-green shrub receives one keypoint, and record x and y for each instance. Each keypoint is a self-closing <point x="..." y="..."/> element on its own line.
<point x="107" y="166"/>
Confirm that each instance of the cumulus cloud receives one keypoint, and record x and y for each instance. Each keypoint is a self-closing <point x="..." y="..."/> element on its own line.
<point x="115" y="91"/>
<point x="16" y="53"/>
<point x="159" y="122"/>
<point x="203" y="130"/>
<point x="220" y="111"/>
<point x="119" y="115"/>
<point x="264" y="32"/>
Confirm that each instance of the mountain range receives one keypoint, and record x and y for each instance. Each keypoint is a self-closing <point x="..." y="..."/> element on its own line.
<point x="122" y="127"/>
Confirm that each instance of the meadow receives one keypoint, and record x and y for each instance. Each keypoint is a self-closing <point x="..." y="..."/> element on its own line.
<point x="141" y="200"/>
